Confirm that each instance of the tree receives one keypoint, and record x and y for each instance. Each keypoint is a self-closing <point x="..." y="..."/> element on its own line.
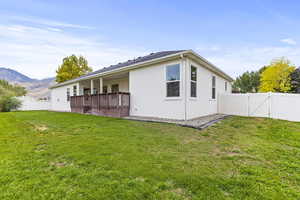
<point x="72" y="67"/>
<point x="276" y="77"/>
<point x="7" y="89"/>
<point x="295" y="81"/>
<point x="8" y="103"/>
<point x="8" y="93"/>
<point x="261" y="70"/>
<point x="247" y="82"/>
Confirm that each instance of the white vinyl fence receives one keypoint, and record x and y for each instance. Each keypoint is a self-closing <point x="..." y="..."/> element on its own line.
<point x="273" y="105"/>
<point x="29" y="103"/>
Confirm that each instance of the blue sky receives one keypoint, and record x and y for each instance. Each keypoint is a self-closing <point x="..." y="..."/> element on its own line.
<point x="235" y="35"/>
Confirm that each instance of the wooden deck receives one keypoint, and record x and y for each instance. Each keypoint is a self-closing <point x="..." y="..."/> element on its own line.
<point x="111" y="104"/>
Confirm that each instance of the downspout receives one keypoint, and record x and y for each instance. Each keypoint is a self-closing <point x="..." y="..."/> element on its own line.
<point x="184" y="85"/>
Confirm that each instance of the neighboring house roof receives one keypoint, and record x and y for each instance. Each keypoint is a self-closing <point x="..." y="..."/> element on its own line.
<point x="136" y="62"/>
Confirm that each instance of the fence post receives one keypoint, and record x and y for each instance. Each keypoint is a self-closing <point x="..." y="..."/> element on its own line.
<point x="269" y="104"/>
<point x="248" y="104"/>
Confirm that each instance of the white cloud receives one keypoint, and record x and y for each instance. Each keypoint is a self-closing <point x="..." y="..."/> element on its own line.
<point x="37" y="51"/>
<point x="236" y="60"/>
<point x="49" y="22"/>
<point x="289" y="41"/>
<point x="54" y="29"/>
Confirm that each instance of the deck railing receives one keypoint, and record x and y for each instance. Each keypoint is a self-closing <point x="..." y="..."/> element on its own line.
<point x="111" y="104"/>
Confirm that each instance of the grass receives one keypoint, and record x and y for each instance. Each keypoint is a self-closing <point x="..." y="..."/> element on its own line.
<point x="48" y="155"/>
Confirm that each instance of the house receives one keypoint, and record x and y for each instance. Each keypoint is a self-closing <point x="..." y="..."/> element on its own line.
<point x="179" y="85"/>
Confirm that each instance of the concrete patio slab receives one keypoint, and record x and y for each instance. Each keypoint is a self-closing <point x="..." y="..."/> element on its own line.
<point x="198" y="123"/>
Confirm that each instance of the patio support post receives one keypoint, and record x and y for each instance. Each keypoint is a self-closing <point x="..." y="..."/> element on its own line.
<point x="101" y="85"/>
<point x="92" y="86"/>
<point x="78" y="89"/>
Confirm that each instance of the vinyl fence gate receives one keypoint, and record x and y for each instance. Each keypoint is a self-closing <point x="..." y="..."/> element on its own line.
<point x="272" y="105"/>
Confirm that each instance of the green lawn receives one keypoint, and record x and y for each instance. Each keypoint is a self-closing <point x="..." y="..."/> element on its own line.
<point x="48" y="155"/>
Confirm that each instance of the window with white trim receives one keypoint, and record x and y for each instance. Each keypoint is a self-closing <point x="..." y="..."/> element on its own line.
<point x="173" y="80"/>
<point x="74" y="90"/>
<point x="68" y="94"/>
<point x="193" y="81"/>
<point x="225" y="86"/>
<point x="213" y="91"/>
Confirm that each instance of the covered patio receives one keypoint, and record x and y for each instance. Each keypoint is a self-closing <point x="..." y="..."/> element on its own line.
<point x="106" y="96"/>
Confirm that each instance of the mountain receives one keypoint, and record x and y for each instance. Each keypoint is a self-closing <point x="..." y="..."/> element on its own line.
<point x="35" y="88"/>
<point x="13" y="76"/>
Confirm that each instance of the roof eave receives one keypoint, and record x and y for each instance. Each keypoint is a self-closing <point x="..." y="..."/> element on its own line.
<point x="209" y="65"/>
<point x="129" y="67"/>
<point x="193" y="54"/>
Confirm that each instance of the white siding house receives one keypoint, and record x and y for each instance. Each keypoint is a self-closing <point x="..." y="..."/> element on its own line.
<point x="171" y="84"/>
<point x="59" y="100"/>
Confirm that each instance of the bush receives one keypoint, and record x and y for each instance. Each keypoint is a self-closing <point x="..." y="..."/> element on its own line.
<point x="8" y="103"/>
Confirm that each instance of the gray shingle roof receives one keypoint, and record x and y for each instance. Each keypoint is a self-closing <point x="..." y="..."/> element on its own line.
<point x="124" y="64"/>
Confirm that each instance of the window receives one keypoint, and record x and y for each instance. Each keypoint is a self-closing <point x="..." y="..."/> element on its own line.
<point x="193" y="81"/>
<point x="213" y="96"/>
<point x="225" y="86"/>
<point x="74" y="90"/>
<point x="86" y="91"/>
<point x="104" y="89"/>
<point x="95" y="91"/>
<point x="68" y="94"/>
<point x="173" y="80"/>
<point x="115" y="88"/>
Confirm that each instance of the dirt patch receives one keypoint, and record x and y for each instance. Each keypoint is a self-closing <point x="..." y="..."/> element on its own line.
<point x="254" y="162"/>
<point x="259" y="119"/>
<point x="41" y="128"/>
<point x="38" y="127"/>
<point x="234" y="152"/>
<point x="140" y="179"/>
<point x="216" y="151"/>
<point x="189" y="140"/>
<point x="60" y="164"/>
<point x="180" y="192"/>
<point x="40" y="147"/>
<point x="231" y="154"/>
